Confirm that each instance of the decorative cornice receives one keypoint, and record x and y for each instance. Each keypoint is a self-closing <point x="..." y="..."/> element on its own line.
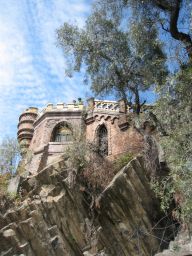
<point x="56" y="113"/>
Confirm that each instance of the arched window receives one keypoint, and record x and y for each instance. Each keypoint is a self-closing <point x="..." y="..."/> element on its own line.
<point x="103" y="140"/>
<point x="62" y="133"/>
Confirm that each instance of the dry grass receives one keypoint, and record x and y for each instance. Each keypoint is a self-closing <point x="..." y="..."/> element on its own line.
<point x="100" y="171"/>
<point x="5" y="199"/>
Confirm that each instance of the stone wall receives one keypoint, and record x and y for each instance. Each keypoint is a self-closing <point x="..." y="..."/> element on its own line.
<point x="44" y="151"/>
<point x="55" y="218"/>
<point x="119" y="141"/>
<point x="122" y="136"/>
<point x="43" y="128"/>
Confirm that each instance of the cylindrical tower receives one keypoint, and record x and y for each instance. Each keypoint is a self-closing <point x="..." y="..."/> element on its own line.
<point x="25" y="128"/>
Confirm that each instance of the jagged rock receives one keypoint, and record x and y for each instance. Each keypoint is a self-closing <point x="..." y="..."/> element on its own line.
<point x="13" y="185"/>
<point x="55" y="218"/>
<point x="181" y="246"/>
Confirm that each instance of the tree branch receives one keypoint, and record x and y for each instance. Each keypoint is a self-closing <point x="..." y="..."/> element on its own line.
<point x="166" y="29"/>
<point x="163" y="5"/>
<point x="183" y="37"/>
<point x="174" y="10"/>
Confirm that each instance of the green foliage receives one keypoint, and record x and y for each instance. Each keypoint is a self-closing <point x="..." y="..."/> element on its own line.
<point x="25" y="162"/>
<point x="78" y="151"/>
<point x="164" y="191"/>
<point x="96" y="171"/>
<point x="172" y="20"/>
<point x="13" y="195"/>
<point x="112" y="56"/>
<point x="77" y="154"/>
<point x="4" y="179"/>
<point x="174" y="109"/>
<point x="175" y="106"/>
<point x="176" y="247"/>
<point x="123" y="160"/>
<point x="120" y="48"/>
<point x="83" y="159"/>
<point x="5" y="198"/>
<point x="9" y="155"/>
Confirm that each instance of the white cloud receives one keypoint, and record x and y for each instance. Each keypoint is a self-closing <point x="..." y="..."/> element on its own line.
<point x="31" y="66"/>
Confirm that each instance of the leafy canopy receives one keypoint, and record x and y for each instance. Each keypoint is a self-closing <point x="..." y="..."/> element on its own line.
<point x="112" y="55"/>
<point x="174" y="109"/>
<point x="9" y="155"/>
<point x="172" y="19"/>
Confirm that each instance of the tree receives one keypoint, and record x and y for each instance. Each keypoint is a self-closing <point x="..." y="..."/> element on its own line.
<point x="9" y="155"/>
<point x="173" y="11"/>
<point x="112" y="56"/>
<point x="170" y="16"/>
<point x="120" y="47"/>
<point x="174" y="109"/>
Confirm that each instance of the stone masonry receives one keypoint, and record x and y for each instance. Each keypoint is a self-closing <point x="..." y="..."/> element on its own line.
<point x="106" y="123"/>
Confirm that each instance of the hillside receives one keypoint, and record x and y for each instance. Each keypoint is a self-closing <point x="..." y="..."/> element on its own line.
<point x="55" y="217"/>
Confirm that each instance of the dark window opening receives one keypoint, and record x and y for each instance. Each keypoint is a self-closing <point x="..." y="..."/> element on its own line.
<point x="62" y="133"/>
<point x="103" y="140"/>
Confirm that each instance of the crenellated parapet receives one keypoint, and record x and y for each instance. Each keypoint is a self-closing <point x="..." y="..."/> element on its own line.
<point x="25" y="127"/>
<point x="59" y="110"/>
<point x="62" y="107"/>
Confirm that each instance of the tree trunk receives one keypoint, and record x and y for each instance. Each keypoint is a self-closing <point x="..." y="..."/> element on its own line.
<point x="137" y="101"/>
<point x="183" y="37"/>
<point x="174" y="11"/>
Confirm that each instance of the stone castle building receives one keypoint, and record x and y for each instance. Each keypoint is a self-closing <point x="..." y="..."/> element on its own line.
<point x="47" y="133"/>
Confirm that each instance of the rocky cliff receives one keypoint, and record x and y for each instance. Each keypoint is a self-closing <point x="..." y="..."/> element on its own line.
<point x="55" y="218"/>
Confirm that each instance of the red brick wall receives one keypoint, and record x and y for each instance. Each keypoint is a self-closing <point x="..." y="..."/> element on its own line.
<point x="43" y="131"/>
<point x="129" y="140"/>
<point x="119" y="141"/>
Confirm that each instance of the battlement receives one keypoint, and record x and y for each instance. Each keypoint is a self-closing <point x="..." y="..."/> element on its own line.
<point x="93" y="104"/>
<point x="62" y="107"/>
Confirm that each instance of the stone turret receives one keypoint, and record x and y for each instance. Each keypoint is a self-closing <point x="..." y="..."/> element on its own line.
<point x="25" y="128"/>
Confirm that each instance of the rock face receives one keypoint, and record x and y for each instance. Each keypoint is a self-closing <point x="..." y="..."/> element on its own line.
<point x="181" y="246"/>
<point x="55" y="218"/>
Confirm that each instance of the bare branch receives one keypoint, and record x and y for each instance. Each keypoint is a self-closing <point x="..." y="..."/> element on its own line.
<point x="185" y="38"/>
<point x="162" y="26"/>
<point x="174" y="11"/>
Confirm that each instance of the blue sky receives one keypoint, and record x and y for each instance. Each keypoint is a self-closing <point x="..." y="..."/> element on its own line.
<point x="31" y="64"/>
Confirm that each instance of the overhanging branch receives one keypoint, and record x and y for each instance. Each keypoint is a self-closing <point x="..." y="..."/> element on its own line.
<point x="183" y="37"/>
<point x="174" y="11"/>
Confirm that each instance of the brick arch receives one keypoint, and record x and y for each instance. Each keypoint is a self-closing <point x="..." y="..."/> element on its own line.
<point x="100" y="117"/>
<point x="62" y="132"/>
<point x="113" y="119"/>
<point x="107" y="117"/>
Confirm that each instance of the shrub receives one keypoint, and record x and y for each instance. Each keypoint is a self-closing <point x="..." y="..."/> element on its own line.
<point x="9" y="155"/>
<point x="98" y="172"/>
<point x="173" y="109"/>
<point x="5" y="200"/>
<point x="4" y="179"/>
<point x="93" y="170"/>
<point x="78" y="151"/>
<point x="122" y="160"/>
